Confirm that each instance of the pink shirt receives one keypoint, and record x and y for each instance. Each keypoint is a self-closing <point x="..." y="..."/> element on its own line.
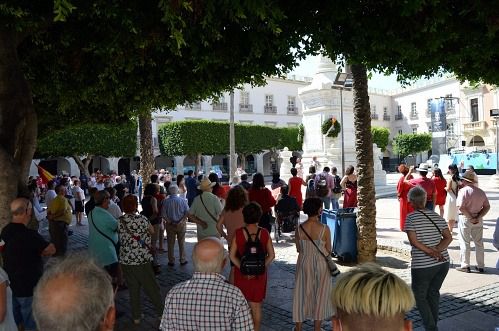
<point x="427" y="184"/>
<point x="472" y="198"/>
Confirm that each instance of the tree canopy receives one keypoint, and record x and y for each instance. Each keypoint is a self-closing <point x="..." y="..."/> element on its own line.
<point x="212" y="137"/>
<point x="380" y="137"/>
<point x="91" y="139"/>
<point x="411" y="143"/>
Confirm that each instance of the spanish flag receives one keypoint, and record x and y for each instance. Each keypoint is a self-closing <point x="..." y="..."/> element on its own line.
<point x="44" y="175"/>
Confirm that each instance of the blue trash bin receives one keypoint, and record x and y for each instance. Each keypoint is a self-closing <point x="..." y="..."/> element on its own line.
<point x="343" y="226"/>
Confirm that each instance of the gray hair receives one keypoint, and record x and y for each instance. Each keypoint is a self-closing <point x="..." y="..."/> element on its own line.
<point x="417" y="196"/>
<point x="212" y="266"/>
<point x="100" y="196"/>
<point x="84" y="297"/>
<point x="173" y="189"/>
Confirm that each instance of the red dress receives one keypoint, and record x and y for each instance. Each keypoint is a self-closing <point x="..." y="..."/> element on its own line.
<point x="441" y="192"/>
<point x="405" y="207"/>
<point x="350" y="197"/>
<point x="295" y="190"/>
<point x="254" y="289"/>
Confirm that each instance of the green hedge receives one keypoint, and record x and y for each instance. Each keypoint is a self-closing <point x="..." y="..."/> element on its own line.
<point x="380" y="137"/>
<point x="212" y="137"/>
<point x="409" y="143"/>
<point x="95" y="139"/>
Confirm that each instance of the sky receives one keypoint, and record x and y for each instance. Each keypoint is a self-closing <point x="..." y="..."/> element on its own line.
<point x="308" y="66"/>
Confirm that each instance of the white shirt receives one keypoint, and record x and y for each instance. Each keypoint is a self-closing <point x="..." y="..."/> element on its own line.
<point x="49" y="196"/>
<point x="77" y="190"/>
<point x="114" y="209"/>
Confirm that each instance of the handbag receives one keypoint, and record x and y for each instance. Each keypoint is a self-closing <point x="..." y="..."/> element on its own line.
<point x="333" y="269"/>
<point x="115" y="244"/>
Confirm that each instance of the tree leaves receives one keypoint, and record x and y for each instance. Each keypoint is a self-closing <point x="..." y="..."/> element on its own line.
<point x="411" y="143"/>
<point x="380" y="137"/>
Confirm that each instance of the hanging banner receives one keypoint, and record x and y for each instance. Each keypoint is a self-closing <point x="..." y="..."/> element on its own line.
<point x="438" y="127"/>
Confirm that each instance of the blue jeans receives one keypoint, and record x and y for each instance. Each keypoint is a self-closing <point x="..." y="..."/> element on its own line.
<point x="327" y="202"/>
<point x="23" y="312"/>
<point x="426" y="283"/>
<point x="335" y="202"/>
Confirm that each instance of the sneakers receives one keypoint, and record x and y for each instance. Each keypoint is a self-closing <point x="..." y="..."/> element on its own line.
<point x="464" y="269"/>
<point x="480" y="270"/>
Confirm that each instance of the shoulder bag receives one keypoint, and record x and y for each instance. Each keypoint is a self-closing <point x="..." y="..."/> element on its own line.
<point x="428" y="217"/>
<point x="333" y="269"/>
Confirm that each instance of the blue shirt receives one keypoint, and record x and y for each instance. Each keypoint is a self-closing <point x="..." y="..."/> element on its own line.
<point x="192" y="189"/>
<point x="100" y="247"/>
<point x="174" y="208"/>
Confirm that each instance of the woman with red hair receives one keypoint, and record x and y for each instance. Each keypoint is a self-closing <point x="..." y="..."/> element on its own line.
<point x="402" y="190"/>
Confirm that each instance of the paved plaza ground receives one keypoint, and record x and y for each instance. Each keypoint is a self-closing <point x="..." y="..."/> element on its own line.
<point x="468" y="302"/>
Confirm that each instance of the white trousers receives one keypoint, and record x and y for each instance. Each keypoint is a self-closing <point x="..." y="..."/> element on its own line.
<point x="470" y="232"/>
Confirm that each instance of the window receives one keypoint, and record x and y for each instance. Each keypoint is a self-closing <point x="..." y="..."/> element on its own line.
<point x="385" y="111"/>
<point x="450" y="129"/>
<point x="474" y="109"/>
<point x="414" y="111"/>
<point x="269" y="100"/>
<point x="373" y="109"/>
<point x="429" y="127"/>
<point x="429" y="105"/>
<point x="291" y="101"/>
<point x="449" y="102"/>
<point x="244" y="98"/>
<point x="415" y="130"/>
<point x="399" y="110"/>
<point x="399" y="131"/>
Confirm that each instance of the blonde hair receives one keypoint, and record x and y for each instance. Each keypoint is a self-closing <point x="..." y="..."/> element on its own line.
<point x="370" y="290"/>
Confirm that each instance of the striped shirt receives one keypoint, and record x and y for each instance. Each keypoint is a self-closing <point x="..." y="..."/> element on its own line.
<point x="206" y="302"/>
<point x="428" y="235"/>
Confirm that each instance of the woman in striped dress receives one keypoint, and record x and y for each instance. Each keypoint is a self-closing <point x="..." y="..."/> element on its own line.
<point x="312" y="292"/>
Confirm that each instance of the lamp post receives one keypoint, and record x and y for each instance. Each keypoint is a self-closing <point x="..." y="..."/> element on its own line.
<point x="494" y="113"/>
<point x="342" y="82"/>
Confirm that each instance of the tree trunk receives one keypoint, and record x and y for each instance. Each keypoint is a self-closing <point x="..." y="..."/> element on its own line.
<point x="146" y="152"/>
<point x="18" y="126"/>
<point x="366" y="218"/>
<point x="198" y="167"/>
<point x="83" y="165"/>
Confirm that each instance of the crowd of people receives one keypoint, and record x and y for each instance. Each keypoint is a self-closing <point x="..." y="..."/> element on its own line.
<point x="127" y="230"/>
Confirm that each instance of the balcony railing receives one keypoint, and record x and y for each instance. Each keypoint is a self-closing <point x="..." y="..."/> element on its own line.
<point x="220" y="106"/>
<point x="292" y="110"/>
<point x="399" y="117"/>
<point x="193" y="106"/>
<point x="270" y="109"/>
<point x="386" y="117"/>
<point x="414" y="116"/>
<point x="475" y="126"/>
<point x="374" y="116"/>
<point x="245" y="108"/>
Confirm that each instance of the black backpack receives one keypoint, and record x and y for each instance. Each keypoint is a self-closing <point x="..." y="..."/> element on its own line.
<point x="253" y="259"/>
<point x="321" y="188"/>
<point x="337" y="186"/>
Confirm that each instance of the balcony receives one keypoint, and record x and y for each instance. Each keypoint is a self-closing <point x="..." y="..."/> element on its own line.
<point x="399" y="117"/>
<point x="292" y="110"/>
<point x="386" y="117"/>
<point x="475" y="127"/>
<point x="245" y="108"/>
<point x="270" y="109"/>
<point x="220" y="106"/>
<point x="374" y="116"/>
<point x="414" y="116"/>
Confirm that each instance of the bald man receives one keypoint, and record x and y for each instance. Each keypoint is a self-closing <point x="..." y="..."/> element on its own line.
<point x="22" y="258"/>
<point x="74" y="294"/>
<point x="207" y="301"/>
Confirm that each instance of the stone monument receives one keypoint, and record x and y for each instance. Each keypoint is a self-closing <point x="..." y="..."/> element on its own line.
<point x="286" y="165"/>
<point x="321" y="102"/>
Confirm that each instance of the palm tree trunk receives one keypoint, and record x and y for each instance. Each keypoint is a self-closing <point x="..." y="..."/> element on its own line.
<point x="366" y="218"/>
<point x="146" y="152"/>
<point x="18" y="125"/>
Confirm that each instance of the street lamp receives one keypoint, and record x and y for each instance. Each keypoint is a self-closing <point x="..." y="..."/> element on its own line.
<point x="494" y="113"/>
<point x="343" y="81"/>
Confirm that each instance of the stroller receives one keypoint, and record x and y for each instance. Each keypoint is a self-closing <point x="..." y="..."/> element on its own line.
<point x="286" y="223"/>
